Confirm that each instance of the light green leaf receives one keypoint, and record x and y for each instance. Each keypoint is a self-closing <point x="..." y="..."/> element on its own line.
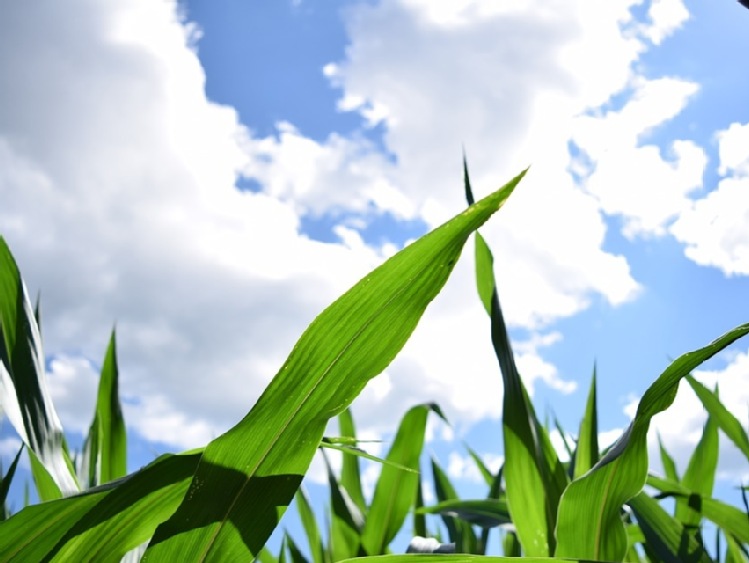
<point x="458" y="558"/>
<point x="24" y="397"/>
<point x="587" y="452"/>
<point x="358" y="452"/>
<point x="307" y="516"/>
<point x="669" y="467"/>
<point x="395" y="491"/>
<point x="589" y="523"/>
<point x="728" y="423"/>
<point x="105" y="449"/>
<point x="350" y="474"/>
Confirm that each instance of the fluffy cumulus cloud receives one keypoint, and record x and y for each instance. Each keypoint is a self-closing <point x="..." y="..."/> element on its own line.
<point x="713" y="228"/>
<point x="117" y="178"/>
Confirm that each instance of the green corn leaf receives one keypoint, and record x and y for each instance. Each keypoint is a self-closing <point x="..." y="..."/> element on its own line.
<point x="23" y="389"/>
<point x="700" y="474"/>
<point x="669" y="467"/>
<point x="419" y="520"/>
<point x="395" y="491"/>
<point x="511" y="546"/>
<point x="358" y="452"/>
<point x="103" y="523"/>
<point x="105" y="448"/>
<point x="46" y="487"/>
<point x="487" y="513"/>
<point x="459" y="532"/>
<point x="534" y="476"/>
<point x="481" y="466"/>
<point x="665" y="536"/>
<point x="5" y="482"/>
<point x="350" y="472"/>
<point x="347" y="520"/>
<point x="265" y="556"/>
<point x="728" y="518"/>
<point x="248" y="476"/>
<point x="587" y="452"/>
<point x="589" y="523"/>
<point x="295" y="554"/>
<point x="728" y="423"/>
<point x="309" y="523"/>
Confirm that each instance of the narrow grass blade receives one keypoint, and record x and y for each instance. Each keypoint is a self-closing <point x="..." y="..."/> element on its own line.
<point x="700" y="474"/>
<point x="395" y="491"/>
<point x="419" y="520"/>
<point x="265" y="556"/>
<point x="587" y="452"/>
<point x="350" y="471"/>
<point x="665" y="536"/>
<point x="295" y="554"/>
<point x="248" y="476"/>
<point x="589" y="523"/>
<point x="728" y="423"/>
<point x="669" y="467"/>
<point x="5" y="482"/>
<point x="309" y="523"/>
<point x="23" y="389"/>
<point x="352" y="451"/>
<point x="486" y="513"/>
<point x="481" y="466"/>
<point x="101" y="524"/>
<point x="728" y="518"/>
<point x="347" y="520"/>
<point x="105" y="448"/>
<point x="458" y="532"/>
<point x="534" y="476"/>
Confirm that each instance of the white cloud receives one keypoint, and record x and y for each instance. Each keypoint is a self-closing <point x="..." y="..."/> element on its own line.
<point x="713" y="228"/>
<point x="666" y="16"/>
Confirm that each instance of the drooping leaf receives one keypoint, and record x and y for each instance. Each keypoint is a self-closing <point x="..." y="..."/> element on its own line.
<point x="589" y="523"/>
<point x="587" y="453"/>
<point x="395" y="491"/>
<point x="534" y="476"/>
<point x="24" y="396"/>
<point x="260" y="462"/>
<point x="358" y="452"/>
<point x="487" y="513"/>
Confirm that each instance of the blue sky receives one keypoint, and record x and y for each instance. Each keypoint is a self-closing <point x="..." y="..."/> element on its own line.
<point x="210" y="175"/>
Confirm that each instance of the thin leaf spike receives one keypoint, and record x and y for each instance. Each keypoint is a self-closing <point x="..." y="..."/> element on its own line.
<point x="587" y="451"/>
<point x="534" y="475"/>
<point x="589" y="523"/>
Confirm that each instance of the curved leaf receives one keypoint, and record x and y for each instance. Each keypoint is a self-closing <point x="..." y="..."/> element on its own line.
<point x="589" y="523"/>
<point x="487" y="513"/>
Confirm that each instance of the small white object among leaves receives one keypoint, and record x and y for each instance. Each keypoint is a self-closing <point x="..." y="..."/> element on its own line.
<point x="429" y="545"/>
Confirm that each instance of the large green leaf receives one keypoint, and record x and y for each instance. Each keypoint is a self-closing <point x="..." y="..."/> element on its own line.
<point x="589" y="523"/>
<point x="23" y="389"/>
<point x="247" y="477"/>
<point x="728" y="423"/>
<point x="587" y="452"/>
<point x="535" y="478"/>
<point x="395" y="491"/>
<point x="665" y="535"/>
<point x="103" y="523"/>
<point x="105" y="448"/>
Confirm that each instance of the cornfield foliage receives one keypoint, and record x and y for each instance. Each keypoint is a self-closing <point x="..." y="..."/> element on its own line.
<point x="223" y="501"/>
